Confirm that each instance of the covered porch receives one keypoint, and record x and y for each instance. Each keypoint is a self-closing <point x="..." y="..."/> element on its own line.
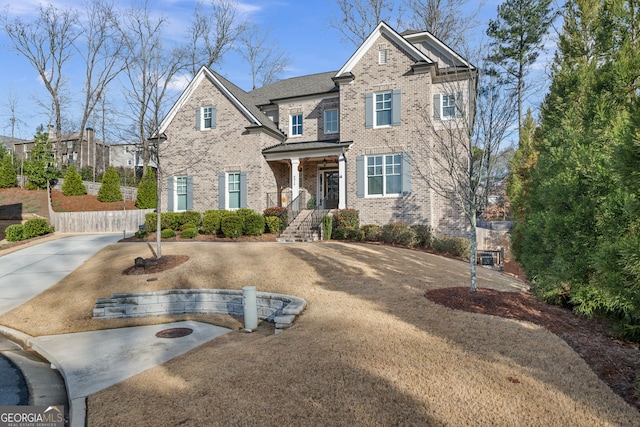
<point x="313" y="175"/>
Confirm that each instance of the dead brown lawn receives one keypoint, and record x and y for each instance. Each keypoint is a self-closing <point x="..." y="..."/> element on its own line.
<point x="369" y="349"/>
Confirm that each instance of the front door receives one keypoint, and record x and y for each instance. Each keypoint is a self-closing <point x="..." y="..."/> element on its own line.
<point x="330" y="197"/>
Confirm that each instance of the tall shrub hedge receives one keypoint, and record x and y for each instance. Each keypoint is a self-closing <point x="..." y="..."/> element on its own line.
<point x="110" y="188"/>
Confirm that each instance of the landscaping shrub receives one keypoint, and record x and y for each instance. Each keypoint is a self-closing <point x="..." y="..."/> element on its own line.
<point x="189" y="233"/>
<point x="8" y="174"/>
<point x="274" y="211"/>
<point x="244" y="212"/>
<point x="273" y="224"/>
<point x="110" y="188"/>
<point x="424" y="237"/>
<point x="231" y="225"/>
<point x="189" y="217"/>
<point x="187" y="226"/>
<point x="150" y="221"/>
<point x="167" y="233"/>
<point x="253" y="224"/>
<point x="371" y="233"/>
<point x="147" y="191"/>
<point x="343" y="233"/>
<point x="327" y="226"/>
<point x="35" y="227"/>
<point x="347" y="218"/>
<point x="13" y="233"/>
<point x="73" y="185"/>
<point x="141" y="234"/>
<point x="456" y="246"/>
<point x="398" y="233"/>
<point x="211" y="222"/>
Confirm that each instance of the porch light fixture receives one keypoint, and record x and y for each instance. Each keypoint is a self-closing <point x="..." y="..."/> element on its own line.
<point x="324" y="162"/>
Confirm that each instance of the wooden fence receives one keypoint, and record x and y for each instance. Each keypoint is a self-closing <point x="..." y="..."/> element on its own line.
<point x="96" y="221"/>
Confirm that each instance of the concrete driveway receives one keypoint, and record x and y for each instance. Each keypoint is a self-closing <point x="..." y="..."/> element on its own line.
<point x="27" y="272"/>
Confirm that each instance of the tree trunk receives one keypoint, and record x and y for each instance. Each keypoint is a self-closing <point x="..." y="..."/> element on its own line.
<point x="473" y="245"/>
<point x="158" y="212"/>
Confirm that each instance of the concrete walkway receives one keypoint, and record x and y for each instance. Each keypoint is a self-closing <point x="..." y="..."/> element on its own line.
<point x="88" y="361"/>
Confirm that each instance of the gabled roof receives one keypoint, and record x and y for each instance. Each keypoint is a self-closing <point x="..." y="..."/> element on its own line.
<point x="393" y="35"/>
<point x="314" y="84"/>
<point x="238" y="97"/>
<point x="413" y="36"/>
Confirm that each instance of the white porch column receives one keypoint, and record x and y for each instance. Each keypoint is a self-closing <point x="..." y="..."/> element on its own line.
<point x="295" y="178"/>
<point x="342" y="182"/>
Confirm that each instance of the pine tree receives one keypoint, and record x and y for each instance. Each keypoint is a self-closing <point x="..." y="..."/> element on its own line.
<point x="517" y="38"/>
<point x="73" y="185"/>
<point x="8" y="174"/>
<point x="110" y="188"/>
<point x="147" y="191"/>
<point x="40" y="168"/>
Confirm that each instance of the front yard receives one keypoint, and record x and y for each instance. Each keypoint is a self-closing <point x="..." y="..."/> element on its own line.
<point x="370" y="349"/>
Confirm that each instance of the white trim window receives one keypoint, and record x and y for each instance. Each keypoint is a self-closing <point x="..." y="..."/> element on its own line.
<point x="331" y="121"/>
<point x="384" y="175"/>
<point x="383" y="104"/>
<point x="295" y="124"/>
<point x="181" y="193"/>
<point x="233" y="190"/>
<point x="207" y="113"/>
<point x="447" y="106"/>
<point x="206" y="117"/>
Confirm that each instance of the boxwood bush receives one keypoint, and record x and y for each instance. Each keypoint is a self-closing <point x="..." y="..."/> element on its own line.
<point x="189" y="233"/>
<point x="424" y="236"/>
<point x="253" y="224"/>
<point x="35" y="227"/>
<point x="167" y="233"/>
<point x="13" y="233"/>
<point x="273" y="224"/>
<point x="211" y="222"/>
<point x="231" y="225"/>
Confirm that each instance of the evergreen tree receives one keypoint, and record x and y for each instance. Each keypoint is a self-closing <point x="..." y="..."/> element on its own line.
<point x="517" y="38"/>
<point x="40" y="167"/>
<point x="8" y="174"/>
<point x="110" y="188"/>
<point x="578" y="222"/>
<point x="147" y="190"/>
<point x="73" y="185"/>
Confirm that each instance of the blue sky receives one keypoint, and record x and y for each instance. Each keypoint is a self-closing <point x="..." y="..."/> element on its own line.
<point x="301" y="28"/>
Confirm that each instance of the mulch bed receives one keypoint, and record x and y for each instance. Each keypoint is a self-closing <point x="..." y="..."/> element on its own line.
<point x="154" y="265"/>
<point x="615" y="361"/>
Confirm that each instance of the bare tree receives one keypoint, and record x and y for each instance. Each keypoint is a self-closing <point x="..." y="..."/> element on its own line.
<point x="448" y="20"/>
<point x="461" y="146"/>
<point x="47" y="43"/>
<point x="266" y="60"/>
<point x="213" y="31"/>
<point x="356" y="20"/>
<point x="100" y="47"/>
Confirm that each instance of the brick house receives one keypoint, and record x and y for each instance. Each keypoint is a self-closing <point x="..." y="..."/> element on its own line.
<point x="342" y="139"/>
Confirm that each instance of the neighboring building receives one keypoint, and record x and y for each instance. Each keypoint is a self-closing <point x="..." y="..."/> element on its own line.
<point x="124" y="155"/>
<point x="71" y="151"/>
<point x="345" y="139"/>
<point x="8" y="141"/>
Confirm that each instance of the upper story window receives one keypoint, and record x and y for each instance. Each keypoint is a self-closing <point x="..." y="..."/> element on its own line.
<point x="296" y="125"/>
<point x="447" y="105"/>
<point x="383" y="109"/>
<point x="331" y="121"/>
<point x="206" y="117"/>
